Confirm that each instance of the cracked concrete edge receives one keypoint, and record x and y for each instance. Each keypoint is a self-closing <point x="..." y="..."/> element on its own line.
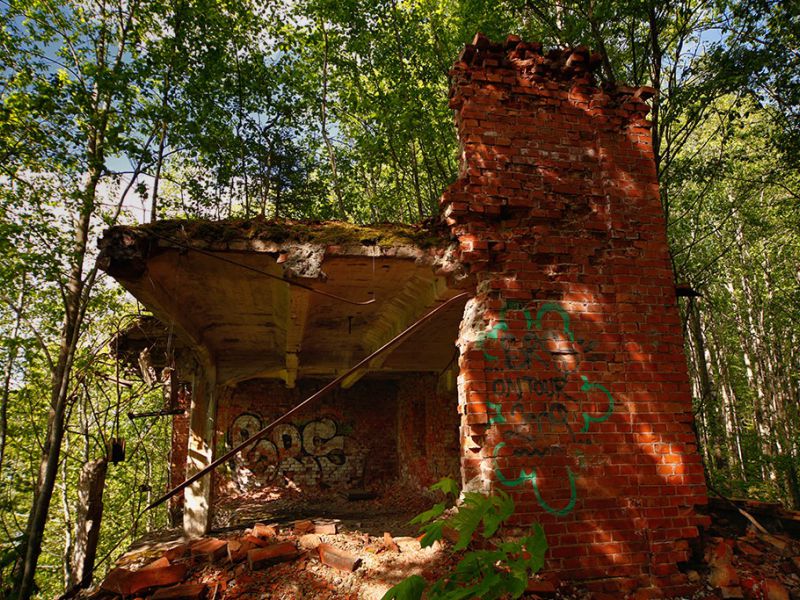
<point x="124" y="253"/>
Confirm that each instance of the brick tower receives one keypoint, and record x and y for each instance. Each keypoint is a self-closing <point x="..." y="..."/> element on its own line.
<point x="573" y="389"/>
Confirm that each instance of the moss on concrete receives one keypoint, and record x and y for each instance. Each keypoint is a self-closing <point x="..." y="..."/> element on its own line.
<point x="328" y="233"/>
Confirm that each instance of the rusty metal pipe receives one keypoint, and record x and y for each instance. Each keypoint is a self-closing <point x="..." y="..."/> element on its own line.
<point x="321" y="392"/>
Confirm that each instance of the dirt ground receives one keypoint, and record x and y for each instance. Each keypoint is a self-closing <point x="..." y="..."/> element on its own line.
<point x="391" y="508"/>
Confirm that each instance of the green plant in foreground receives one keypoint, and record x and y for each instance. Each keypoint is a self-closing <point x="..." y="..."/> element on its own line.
<point x="503" y="569"/>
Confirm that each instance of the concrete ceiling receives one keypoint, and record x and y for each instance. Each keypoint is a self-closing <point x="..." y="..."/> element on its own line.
<point x="252" y="325"/>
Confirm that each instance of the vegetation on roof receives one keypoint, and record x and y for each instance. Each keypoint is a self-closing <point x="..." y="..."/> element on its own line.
<point x="329" y="233"/>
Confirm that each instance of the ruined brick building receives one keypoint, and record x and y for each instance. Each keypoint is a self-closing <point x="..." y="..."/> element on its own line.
<point x="561" y="379"/>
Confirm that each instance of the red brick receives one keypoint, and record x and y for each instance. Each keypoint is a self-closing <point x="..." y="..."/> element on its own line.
<point x="261" y="530"/>
<point x="125" y="582"/>
<point x="259" y="558"/>
<point x="210" y="549"/>
<point x="337" y="558"/>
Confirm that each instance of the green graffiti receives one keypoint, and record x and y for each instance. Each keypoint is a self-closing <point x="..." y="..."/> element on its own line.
<point x="493" y="334"/>
<point x="573" y="496"/>
<point x="532" y="326"/>
<point x="589" y="419"/>
<point x="501" y="325"/>
<point x="558" y="309"/>
<point x="528" y="319"/>
<point x="523" y="477"/>
<point x="498" y="414"/>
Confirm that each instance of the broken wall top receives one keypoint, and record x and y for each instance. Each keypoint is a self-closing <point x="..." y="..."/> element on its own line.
<point x="523" y="67"/>
<point x="541" y="117"/>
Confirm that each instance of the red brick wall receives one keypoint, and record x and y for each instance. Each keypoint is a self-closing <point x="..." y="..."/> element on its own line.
<point x="337" y="444"/>
<point x="427" y="434"/>
<point x="354" y="438"/>
<point x="573" y="387"/>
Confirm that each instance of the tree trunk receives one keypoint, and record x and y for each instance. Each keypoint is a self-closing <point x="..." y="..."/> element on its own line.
<point x="730" y="399"/>
<point x="157" y="176"/>
<point x="66" y="555"/>
<point x="726" y="409"/>
<point x="415" y="181"/>
<point x="323" y="111"/>
<point x="706" y="390"/>
<point x="708" y="405"/>
<point x="655" y="74"/>
<point x="91" y="485"/>
<point x="77" y="289"/>
<point x="8" y="373"/>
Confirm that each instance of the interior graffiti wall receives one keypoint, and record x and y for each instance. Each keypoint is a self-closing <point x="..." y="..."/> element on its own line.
<point x="363" y="437"/>
<point x="338" y="444"/>
<point x="317" y="452"/>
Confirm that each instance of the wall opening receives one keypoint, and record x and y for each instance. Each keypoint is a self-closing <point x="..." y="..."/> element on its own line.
<point x="364" y="455"/>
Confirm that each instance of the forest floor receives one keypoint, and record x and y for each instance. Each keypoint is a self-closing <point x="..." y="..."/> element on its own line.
<point x="359" y="549"/>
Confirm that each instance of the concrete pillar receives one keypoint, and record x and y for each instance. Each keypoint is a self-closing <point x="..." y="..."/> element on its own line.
<point x="197" y="497"/>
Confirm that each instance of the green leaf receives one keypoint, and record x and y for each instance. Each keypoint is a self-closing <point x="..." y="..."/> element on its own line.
<point x="466" y="521"/>
<point x="490" y="586"/>
<point x="410" y="588"/>
<point x="520" y="571"/>
<point x="479" y="561"/>
<point x="446" y="485"/>
<point x="433" y="532"/>
<point x="516" y="584"/>
<point x="502" y="508"/>
<point x="536" y="546"/>
<point x="457" y="593"/>
<point x="435" y="511"/>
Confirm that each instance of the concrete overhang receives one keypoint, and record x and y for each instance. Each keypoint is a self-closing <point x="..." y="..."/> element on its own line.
<point x="247" y="295"/>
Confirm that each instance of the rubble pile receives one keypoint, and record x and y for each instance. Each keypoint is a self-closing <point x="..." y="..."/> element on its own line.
<point x="751" y="551"/>
<point x="739" y="557"/>
<point x="302" y="559"/>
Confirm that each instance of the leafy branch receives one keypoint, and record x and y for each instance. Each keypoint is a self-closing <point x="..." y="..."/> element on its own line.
<point x="504" y="568"/>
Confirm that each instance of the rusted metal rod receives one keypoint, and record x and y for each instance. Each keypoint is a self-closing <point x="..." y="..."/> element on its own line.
<point x="156" y="413"/>
<point x="321" y="392"/>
